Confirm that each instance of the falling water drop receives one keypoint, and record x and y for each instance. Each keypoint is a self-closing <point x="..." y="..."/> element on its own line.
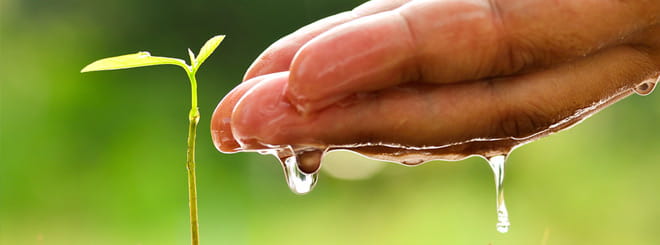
<point x="497" y="164"/>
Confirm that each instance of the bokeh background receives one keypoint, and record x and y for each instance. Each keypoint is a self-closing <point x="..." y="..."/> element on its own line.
<point x="99" y="158"/>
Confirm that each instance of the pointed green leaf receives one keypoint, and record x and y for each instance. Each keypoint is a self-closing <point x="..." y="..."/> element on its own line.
<point x="193" y="60"/>
<point x="132" y="60"/>
<point x="208" y="49"/>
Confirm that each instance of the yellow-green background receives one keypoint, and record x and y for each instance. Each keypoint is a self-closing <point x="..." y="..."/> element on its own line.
<point x="99" y="158"/>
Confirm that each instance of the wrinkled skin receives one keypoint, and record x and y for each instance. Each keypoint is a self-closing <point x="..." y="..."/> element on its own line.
<point x="434" y="72"/>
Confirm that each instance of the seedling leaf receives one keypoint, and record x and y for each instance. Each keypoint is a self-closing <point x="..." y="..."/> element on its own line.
<point x="132" y="60"/>
<point x="208" y="49"/>
<point x="145" y="59"/>
<point x="193" y="60"/>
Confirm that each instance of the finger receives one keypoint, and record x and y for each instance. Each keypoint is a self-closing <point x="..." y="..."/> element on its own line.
<point x="223" y="139"/>
<point x="434" y="115"/>
<point x="450" y="41"/>
<point x="278" y="56"/>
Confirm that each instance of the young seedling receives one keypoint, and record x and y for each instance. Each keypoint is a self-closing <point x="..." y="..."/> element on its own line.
<point x="141" y="59"/>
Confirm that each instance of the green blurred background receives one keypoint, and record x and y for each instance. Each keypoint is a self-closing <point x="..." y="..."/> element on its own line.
<point x="99" y="158"/>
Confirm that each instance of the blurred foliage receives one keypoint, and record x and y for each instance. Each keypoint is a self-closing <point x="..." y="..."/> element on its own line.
<point x="86" y="160"/>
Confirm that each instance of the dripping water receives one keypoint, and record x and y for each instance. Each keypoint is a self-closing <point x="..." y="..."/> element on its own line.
<point x="300" y="169"/>
<point x="645" y="88"/>
<point x="497" y="165"/>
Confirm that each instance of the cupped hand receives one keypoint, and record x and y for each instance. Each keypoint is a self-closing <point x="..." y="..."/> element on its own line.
<point x="438" y="72"/>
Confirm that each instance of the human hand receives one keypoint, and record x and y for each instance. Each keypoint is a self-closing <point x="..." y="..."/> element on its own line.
<point x="432" y="73"/>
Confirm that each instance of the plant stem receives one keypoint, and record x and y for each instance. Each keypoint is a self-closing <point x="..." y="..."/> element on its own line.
<point x="193" y="117"/>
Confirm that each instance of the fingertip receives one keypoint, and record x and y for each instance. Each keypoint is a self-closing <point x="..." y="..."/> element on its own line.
<point x="220" y="122"/>
<point x="221" y="132"/>
<point x="263" y="114"/>
<point x="222" y="138"/>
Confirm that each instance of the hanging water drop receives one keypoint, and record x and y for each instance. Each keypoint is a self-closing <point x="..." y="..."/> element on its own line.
<point x="645" y="88"/>
<point x="299" y="181"/>
<point x="412" y="161"/>
<point x="497" y="165"/>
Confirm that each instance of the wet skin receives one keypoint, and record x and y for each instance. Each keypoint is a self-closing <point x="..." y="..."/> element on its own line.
<point x="476" y="76"/>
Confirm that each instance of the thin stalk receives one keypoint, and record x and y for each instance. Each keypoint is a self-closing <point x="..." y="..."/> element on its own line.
<point x="193" y="117"/>
<point x="142" y="59"/>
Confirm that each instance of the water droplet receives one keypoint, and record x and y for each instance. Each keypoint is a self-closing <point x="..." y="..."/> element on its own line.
<point x="412" y="161"/>
<point x="309" y="160"/>
<point x="645" y="88"/>
<point x="265" y="152"/>
<point x="299" y="181"/>
<point x="497" y="165"/>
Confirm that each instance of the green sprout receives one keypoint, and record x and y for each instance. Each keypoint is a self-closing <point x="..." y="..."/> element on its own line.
<point x="142" y="59"/>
